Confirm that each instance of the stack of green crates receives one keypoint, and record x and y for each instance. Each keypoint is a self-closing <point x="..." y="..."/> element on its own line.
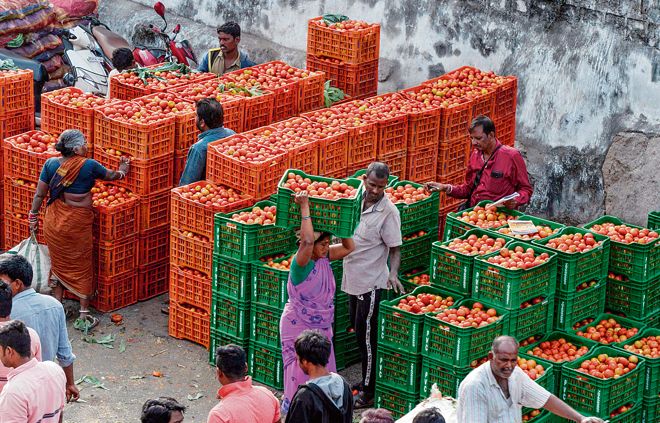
<point x="654" y="220"/>
<point x="344" y="341"/>
<point x="236" y="246"/>
<point x="526" y="294"/>
<point x="633" y="284"/>
<point x="581" y="280"/>
<point x="455" y="227"/>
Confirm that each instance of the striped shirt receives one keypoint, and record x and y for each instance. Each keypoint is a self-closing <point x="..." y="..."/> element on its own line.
<point x="481" y="400"/>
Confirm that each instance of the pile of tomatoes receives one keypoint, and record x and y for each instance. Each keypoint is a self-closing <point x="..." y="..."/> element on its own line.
<point x="626" y="234"/>
<point x="257" y="216"/>
<point x="424" y="303"/>
<point x="320" y="189"/>
<point x="518" y="258"/>
<point x="35" y="142"/>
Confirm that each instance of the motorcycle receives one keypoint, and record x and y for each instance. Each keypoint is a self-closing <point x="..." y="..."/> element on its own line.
<point x="179" y="52"/>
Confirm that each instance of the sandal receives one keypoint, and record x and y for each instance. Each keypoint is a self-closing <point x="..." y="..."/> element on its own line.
<point x="362" y="401"/>
<point x="85" y="322"/>
<point x="165" y="310"/>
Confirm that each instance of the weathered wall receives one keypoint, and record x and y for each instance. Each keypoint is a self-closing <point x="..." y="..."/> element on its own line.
<point x="588" y="69"/>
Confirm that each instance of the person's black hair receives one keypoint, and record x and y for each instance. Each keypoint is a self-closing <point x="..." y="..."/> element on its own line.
<point x="430" y="415"/>
<point x="485" y="122"/>
<point x="122" y="59"/>
<point x="324" y="236"/>
<point x="15" y="335"/>
<point x="313" y="346"/>
<point x="211" y="112"/>
<point x="231" y="361"/>
<point x="5" y="300"/>
<point x="231" y="28"/>
<point x="159" y="410"/>
<point x="379" y="169"/>
<point x="17" y="267"/>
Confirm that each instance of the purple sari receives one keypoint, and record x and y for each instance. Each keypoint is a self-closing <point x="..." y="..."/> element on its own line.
<point x="310" y="306"/>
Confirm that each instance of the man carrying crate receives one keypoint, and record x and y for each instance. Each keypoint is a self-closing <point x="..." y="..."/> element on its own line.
<point x="496" y="391"/>
<point x="366" y="275"/>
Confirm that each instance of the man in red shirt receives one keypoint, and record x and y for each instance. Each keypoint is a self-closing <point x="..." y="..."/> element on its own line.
<point x="494" y="170"/>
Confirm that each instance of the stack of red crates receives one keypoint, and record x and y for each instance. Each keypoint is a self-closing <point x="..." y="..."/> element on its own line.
<point x="348" y="56"/>
<point x="16" y="102"/>
<point x="151" y="150"/>
<point x="191" y="255"/>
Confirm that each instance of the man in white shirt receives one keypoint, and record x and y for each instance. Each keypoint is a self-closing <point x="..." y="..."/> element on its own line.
<point x="496" y="391"/>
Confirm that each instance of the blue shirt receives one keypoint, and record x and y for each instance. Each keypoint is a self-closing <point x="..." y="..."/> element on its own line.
<point x="245" y="61"/>
<point x="195" y="169"/>
<point x="91" y="171"/>
<point x="45" y="315"/>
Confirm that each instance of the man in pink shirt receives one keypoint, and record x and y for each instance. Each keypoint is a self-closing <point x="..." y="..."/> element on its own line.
<point x="35" y="391"/>
<point x="5" y="311"/>
<point x="240" y="402"/>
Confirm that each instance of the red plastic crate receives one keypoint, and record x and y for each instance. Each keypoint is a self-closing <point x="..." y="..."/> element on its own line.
<point x="17" y="229"/>
<point x="453" y="157"/>
<point x="140" y="141"/>
<point x="311" y="92"/>
<point x="189" y="252"/>
<point x="116" y="222"/>
<point x="144" y="176"/>
<point x="123" y="91"/>
<point x="21" y="163"/>
<point x="233" y="106"/>
<point x="259" y="111"/>
<point x="191" y="288"/>
<point x="154" y="210"/>
<point x="180" y="157"/>
<point x="16" y="91"/>
<point x="484" y="104"/>
<point x="333" y="155"/>
<point x="355" y="80"/>
<point x="18" y="195"/>
<point x="506" y="98"/>
<point x="258" y="180"/>
<point x="422" y="164"/>
<point x="196" y="217"/>
<point x="392" y="132"/>
<point x="185" y="123"/>
<point x="305" y="157"/>
<point x="355" y="46"/>
<point x="154" y="246"/>
<point x="505" y="129"/>
<point x="188" y="322"/>
<point x="115" y="292"/>
<point x="423" y="129"/>
<point x="17" y="122"/>
<point x="153" y="280"/>
<point x="396" y="162"/>
<point x="117" y="256"/>
<point x="2" y="235"/>
<point x="57" y="117"/>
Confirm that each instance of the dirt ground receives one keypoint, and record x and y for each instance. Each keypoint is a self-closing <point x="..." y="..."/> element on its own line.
<point x="127" y="376"/>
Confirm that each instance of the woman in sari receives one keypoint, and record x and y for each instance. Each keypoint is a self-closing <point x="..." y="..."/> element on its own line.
<point x="68" y="181"/>
<point x="311" y="288"/>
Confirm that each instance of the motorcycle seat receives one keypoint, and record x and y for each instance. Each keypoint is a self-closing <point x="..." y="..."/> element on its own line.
<point x="108" y="40"/>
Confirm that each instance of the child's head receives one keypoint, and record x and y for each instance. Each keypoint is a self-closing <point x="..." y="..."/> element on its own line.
<point x="122" y="59"/>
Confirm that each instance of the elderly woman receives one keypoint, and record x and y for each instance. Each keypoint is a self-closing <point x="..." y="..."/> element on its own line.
<point x="68" y="220"/>
<point x="311" y="289"/>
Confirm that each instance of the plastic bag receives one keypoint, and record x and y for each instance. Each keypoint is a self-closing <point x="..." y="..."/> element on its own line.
<point x="36" y="47"/>
<point x="72" y="9"/>
<point x="31" y="23"/>
<point x="38" y="256"/>
<point x="18" y="9"/>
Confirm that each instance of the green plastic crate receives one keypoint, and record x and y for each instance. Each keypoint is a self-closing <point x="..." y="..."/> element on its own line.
<point x="458" y="346"/>
<point x="576" y="268"/>
<point x="652" y="377"/>
<point x="639" y="262"/>
<point x="418" y="250"/>
<point x="265" y="325"/>
<point x="537" y="221"/>
<point x="544" y="417"/>
<point x="399" y="403"/>
<point x="246" y="243"/>
<point x="406" y="277"/>
<point x="447" y="377"/>
<point x="455" y="227"/>
<point x="576" y="306"/>
<point x="547" y="379"/>
<point x="265" y="365"/>
<point x="393" y="179"/>
<point x="637" y="300"/>
<point x="268" y="285"/>
<point x="219" y="339"/>
<point x="342" y="322"/>
<point x="230" y="316"/>
<point x="452" y="270"/>
<point x="346" y="348"/>
<point x="231" y="278"/>
<point x="340" y="217"/>
<point x="402" y="330"/>
<point x="600" y="396"/>
<point x="626" y="323"/>
<point x="651" y="410"/>
<point x="509" y="288"/>
<point x="337" y="267"/>
<point x="398" y="369"/>
<point x="653" y="220"/>
<point x="419" y="215"/>
<point x="534" y="320"/>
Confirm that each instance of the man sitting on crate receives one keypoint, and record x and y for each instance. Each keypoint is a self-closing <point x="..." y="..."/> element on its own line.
<point x="494" y="170"/>
<point x="228" y="57"/>
<point x="210" y="121"/>
<point x="366" y="277"/>
<point x="496" y="391"/>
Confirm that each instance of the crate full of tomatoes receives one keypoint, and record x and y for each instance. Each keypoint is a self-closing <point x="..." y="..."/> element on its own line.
<point x="418" y="208"/>
<point x="334" y="204"/>
<point x="141" y="81"/>
<point x="479" y="216"/>
<point x="338" y="37"/>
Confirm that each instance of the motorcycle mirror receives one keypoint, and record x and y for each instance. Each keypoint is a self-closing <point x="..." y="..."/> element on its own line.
<point x="160" y="9"/>
<point x="177" y="28"/>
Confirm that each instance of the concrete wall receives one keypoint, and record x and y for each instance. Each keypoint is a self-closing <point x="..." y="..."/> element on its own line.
<point x="588" y="69"/>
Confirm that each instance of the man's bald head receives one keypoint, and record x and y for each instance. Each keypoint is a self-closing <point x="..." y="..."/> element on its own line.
<point x="505" y="344"/>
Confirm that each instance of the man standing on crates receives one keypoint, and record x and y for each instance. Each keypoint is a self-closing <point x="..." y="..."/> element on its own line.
<point x="366" y="275"/>
<point x="494" y="170"/>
